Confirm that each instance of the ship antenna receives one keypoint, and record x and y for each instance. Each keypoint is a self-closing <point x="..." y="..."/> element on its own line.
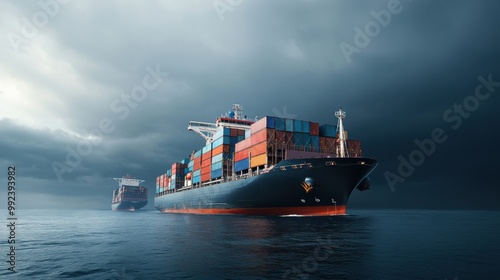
<point x="340" y="128"/>
<point x="237" y="108"/>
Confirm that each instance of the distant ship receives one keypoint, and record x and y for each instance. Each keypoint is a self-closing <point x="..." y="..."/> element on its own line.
<point x="272" y="166"/>
<point x="129" y="196"/>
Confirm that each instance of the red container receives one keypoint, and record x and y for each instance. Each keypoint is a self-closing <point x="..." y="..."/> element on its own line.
<point x="233" y="132"/>
<point x="258" y="137"/>
<point x="241" y="155"/>
<point x="314" y="128"/>
<point x="206" y="169"/>
<point x="241" y="132"/>
<point x="205" y="177"/>
<point x="206" y="162"/>
<point x="206" y="155"/>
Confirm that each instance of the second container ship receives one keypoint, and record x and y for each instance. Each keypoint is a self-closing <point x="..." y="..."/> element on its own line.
<point x="273" y="166"/>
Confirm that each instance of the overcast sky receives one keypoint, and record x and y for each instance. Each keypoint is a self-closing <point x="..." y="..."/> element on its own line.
<point x="116" y="83"/>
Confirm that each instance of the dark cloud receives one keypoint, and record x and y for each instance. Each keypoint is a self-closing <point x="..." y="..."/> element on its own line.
<point x="267" y="56"/>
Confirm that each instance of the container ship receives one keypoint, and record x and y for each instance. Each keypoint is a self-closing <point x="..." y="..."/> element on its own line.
<point x="130" y="195"/>
<point x="271" y="166"/>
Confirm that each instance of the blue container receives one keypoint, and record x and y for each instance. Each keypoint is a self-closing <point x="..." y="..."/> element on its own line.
<point x="223" y="140"/>
<point x="306" y="139"/>
<point x="197" y="154"/>
<point x="207" y="148"/>
<point x="298" y="139"/>
<point x="169" y="172"/>
<point x="216" y="173"/>
<point x="217" y="165"/>
<point x="270" y="122"/>
<point x="240" y="138"/>
<point x="227" y="155"/>
<point x="197" y="173"/>
<point x="196" y="179"/>
<point x="279" y="124"/>
<point x="243" y="164"/>
<point x="328" y="130"/>
<point x="289" y="125"/>
<point x="191" y="163"/>
<point x="297" y="125"/>
<point x="315" y="143"/>
<point x="233" y="140"/>
<point x="185" y="161"/>
<point x="217" y="158"/>
<point x="186" y="170"/>
<point x="226" y="131"/>
<point x="306" y="127"/>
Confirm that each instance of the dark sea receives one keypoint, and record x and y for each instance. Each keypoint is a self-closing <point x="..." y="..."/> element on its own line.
<point x="366" y="244"/>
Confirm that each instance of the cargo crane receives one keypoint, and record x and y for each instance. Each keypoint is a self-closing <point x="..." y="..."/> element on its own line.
<point x="231" y="120"/>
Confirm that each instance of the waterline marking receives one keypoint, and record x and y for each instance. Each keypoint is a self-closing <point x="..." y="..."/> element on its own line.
<point x="428" y="146"/>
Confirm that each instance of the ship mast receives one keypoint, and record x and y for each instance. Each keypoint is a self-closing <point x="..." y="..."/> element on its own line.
<point x="340" y="128"/>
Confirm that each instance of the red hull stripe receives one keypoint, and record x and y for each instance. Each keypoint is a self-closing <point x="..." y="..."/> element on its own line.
<point x="269" y="211"/>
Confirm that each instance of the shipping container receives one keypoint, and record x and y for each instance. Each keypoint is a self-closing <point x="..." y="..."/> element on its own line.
<point x="241" y="155"/>
<point x="223" y="140"/>
<point x="258" y="137"/>
<point x="196" y="179"/>
<point x="206" y="177"/>
<point x="216" y="173"/>
<point x="265" y="122"/>
<point x="217" y="158"/>
<point x="206" y="155"/>
<point x="216" y="165"/>
<point x="206" y="169"/>
<point x="289" y="125"/>
<point x="196" y="173"/>
<point x="279" y="124"/>
<point x="294" y="154"/>
<point x="207" y="148"/>
<point x="258" y="160"/>
<point x="258" y="149"/>
<point x="241" y="165"/>
<point x="247" y="133"/>
<point x="297" y="126"/>
<point x="315" y="143"/>
<point x="243" y="145"/>
<point x="198" y="153"/>
<point x="169" y="172"/>
<point x="221" y="132"/>
<point x="206" y="162"/>
<point x="328" y="130"/>
<point x="240" y="138"/>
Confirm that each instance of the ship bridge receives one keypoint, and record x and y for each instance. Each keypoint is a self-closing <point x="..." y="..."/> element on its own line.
<point x="233" y="119"/>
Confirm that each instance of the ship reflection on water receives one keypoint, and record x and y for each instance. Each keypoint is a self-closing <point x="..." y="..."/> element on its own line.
<point x="279" y="247"/>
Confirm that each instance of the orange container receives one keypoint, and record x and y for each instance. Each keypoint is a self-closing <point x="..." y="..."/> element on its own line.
<point x="258" y="149"/>
<point x="258" y="160"/>
<point x="258" y="137"/>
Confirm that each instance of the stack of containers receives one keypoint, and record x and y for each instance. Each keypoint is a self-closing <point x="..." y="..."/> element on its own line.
<point x="197" y="167"/>
<point x="158" y="185"/>
<point x="178" y="173"/>
<point x="262" y="135"/>
<point x="206" y="163"/>
<point x="223" y="148"/>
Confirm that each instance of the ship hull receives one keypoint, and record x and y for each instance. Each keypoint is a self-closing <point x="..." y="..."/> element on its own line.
<point x="128" y="205"/>
<point x="308" y="187"/>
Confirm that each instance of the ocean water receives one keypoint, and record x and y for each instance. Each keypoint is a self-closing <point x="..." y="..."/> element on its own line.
<point x="366" y="244"/>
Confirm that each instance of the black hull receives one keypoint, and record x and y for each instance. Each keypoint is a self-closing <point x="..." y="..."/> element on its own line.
<point x="128" y="205"/>
<point x="316" y="186"/>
